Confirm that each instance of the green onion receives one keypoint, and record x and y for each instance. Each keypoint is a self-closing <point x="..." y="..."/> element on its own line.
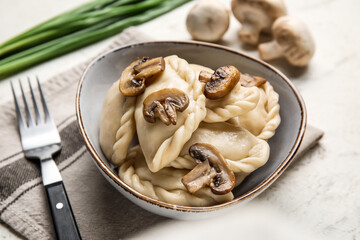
<point x="91" y="6"/>
<point x="54" y="39"/>
<point x="69" y="24"/>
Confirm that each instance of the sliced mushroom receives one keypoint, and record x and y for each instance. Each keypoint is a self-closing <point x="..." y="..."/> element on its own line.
<point x="148" y="69"/>
<point x="247" y="80"/>
<point x="222" y="81"/>
<point x="164" y="104"/>
<point x="212" y="170"/>
<point x="140" y="73"/>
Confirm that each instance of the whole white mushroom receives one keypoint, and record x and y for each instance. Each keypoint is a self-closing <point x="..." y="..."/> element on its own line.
<point x="292" y="40"/>
<point x="208" y="20"/>
<point x="256" y="16"/>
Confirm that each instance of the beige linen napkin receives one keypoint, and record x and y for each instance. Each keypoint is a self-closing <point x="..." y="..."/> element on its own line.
<point x="100" y="210"/>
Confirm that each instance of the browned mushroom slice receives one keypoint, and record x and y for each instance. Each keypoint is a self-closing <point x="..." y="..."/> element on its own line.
<point x="223" y="80"/>
<point x="138" y="74"/>
<point x="164" y="104"/>
<point x="212" y="170"/>
<point x="148" y="69"/>
<point x="247" y="80"/>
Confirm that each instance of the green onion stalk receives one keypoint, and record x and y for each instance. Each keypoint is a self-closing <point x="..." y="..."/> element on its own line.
<point x="54" y="39"/>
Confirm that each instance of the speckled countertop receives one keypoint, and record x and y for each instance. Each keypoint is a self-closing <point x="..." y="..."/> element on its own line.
<point x="318" y="197"/>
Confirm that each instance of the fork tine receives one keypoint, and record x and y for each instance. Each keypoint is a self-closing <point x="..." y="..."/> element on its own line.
<point x="18" y="112"/>
<point x="46" y="110"/>
<point x="36" y="106"/>
<point x="30" y="119"/>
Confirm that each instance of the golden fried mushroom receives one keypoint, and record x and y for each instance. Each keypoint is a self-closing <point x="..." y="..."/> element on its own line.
<point x="164" y="104"/>
<point x="134" y="78"/>
<point x="212" y="170"/>
<point x="221" y="82"/>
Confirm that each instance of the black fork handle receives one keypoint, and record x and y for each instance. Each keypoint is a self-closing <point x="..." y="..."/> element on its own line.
<point x="62" y="214"/>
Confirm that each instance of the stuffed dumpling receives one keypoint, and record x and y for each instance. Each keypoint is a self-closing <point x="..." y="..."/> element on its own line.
<point x="263" y="120"/>
<point x="164" y="185"/>
<point x="239" y="101"/>
<point x="242" y="150"/>
<point x="117" y="124"/>
<point x="160" y="143"/>
<point x="199" y="132"/>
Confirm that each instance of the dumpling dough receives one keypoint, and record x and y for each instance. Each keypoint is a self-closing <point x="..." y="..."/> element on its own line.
<point x="164" y="185"/>
<point x="239" y="101"/>
<point x="117" y="124"/>
<point x="237" y="125"/>
<point x="263" y="120"/>
<point x="162" y="144"/>
<point x="243" y="151"/>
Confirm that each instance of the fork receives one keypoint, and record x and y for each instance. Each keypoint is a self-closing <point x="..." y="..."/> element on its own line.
<point x="41" y="140"/>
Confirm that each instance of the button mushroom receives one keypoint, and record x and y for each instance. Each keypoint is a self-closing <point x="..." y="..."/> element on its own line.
<point x="164" y="104"/>
<point x="208" y="20"/>
<point x="292" y="39"/>
<point x="212" y="170"/>
<point x="221" y="82"/>
<point x="246" y="80"/>
<point x="256" y="16"/>
<point x="138" y="74"/>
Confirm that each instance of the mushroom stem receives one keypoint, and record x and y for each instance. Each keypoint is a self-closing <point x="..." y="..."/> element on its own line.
<point x="199" y="177"/>
<point x="212" y="170"/>
<point x="270" y="50"/>
<point x="249" y="33"/>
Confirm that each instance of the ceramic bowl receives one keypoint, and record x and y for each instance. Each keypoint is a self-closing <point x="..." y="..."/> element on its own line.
<point x="106" y="69"/>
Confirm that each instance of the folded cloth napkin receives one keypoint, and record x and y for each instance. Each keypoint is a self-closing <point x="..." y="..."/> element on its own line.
<point x="100" y="210"/>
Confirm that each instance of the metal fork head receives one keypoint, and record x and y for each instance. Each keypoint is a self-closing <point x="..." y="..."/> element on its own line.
<point x="39" y="136"/>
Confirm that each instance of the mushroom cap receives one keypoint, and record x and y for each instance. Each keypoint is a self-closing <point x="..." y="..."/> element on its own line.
<point x="208" y="20"/>
<point x="243" y="9"/>
<point x="256" y="16"/>
<point x="222" y="81"/>
<point x="140" y="72"/>
<point x="295" y="40"/>
<point x="148" y="68"/>
<point x="128" y="86"/>
<point x="164" y="104"/>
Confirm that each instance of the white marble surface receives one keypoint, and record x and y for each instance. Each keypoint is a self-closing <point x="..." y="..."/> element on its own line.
<point x="317" y="197"/>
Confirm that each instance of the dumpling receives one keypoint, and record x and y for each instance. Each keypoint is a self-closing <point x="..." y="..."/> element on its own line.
<point x="263" y="120"/>
<point x="239" y="101"/>
<point x="160" y="143"/>
<point x="164" y="185"/>
<point x="117" y="124"/>
<point x="243" y="151"/>
<point x="237" y="125"/>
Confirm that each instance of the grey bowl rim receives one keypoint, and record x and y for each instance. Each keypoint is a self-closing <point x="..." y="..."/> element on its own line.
<point x="243" y="198"/>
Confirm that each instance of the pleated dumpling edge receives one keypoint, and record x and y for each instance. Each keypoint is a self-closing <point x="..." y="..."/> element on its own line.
<point x="160" y="143"/>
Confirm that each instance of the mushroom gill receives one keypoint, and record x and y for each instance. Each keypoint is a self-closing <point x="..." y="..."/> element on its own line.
<point x="164" y="104"/>
<point x="212" y="170"/>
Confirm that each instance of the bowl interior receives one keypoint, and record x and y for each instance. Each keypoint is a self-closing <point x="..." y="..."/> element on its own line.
<point x="105" y="70"/>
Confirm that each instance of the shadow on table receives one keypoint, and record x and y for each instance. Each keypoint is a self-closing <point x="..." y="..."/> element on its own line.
<point x="290" y="71"/>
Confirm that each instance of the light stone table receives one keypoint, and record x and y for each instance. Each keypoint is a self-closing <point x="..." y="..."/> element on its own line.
<point x="318" y="197"/>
